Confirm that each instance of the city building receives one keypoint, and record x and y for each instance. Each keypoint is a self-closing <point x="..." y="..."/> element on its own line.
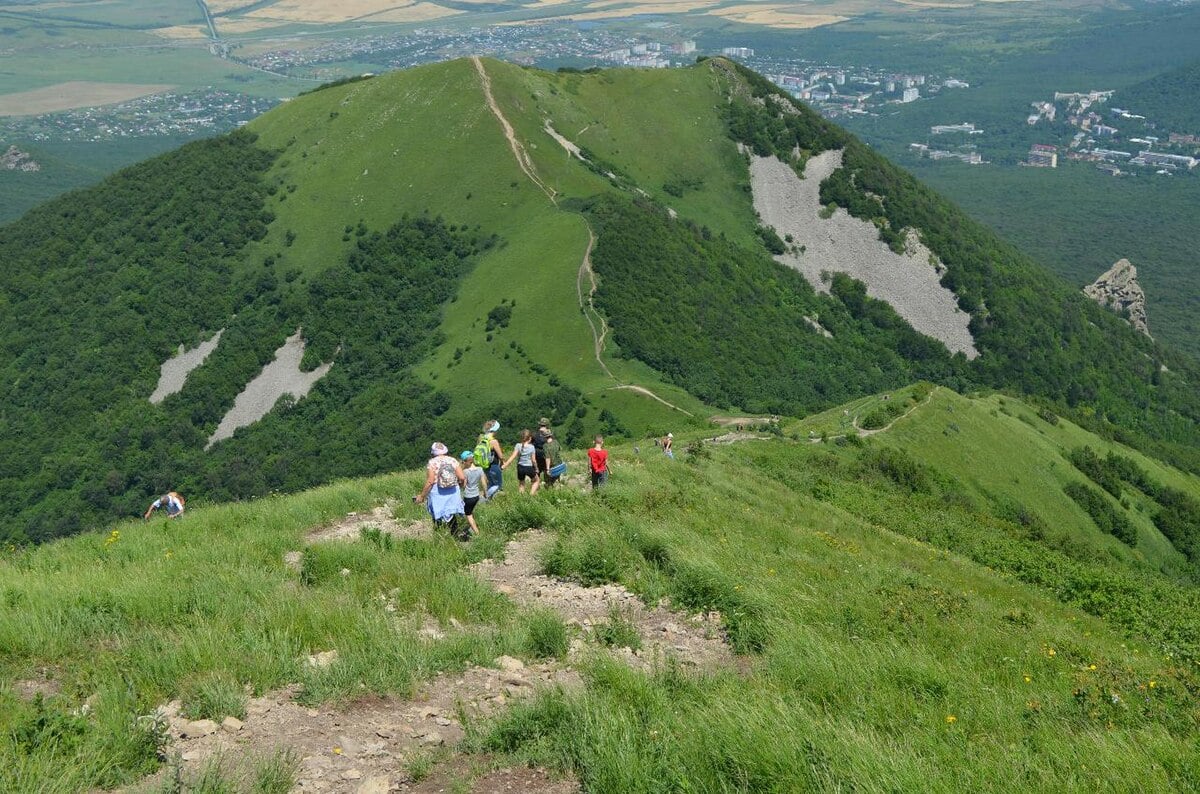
<point x="738" y="52"/>
<point x="910" y="95"/>
<point x="943" y="129"/>
<point x="1042" y="156"/>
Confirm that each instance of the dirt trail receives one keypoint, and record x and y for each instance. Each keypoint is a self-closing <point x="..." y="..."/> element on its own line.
<point x="695" y="640"/>
<point x="525" y="163"/>
<point x="368" y="745"/>
<point x="589" y="307"/>
<point x="518" y="149"/>
<point x="861" y="433"/>
<point x="889" y="425"/>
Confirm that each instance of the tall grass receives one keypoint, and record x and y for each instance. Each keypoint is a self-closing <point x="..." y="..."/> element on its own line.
<point x="891" y="636"/>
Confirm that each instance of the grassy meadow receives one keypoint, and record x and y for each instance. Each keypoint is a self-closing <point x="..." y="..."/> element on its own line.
<point x="894" y="631"/>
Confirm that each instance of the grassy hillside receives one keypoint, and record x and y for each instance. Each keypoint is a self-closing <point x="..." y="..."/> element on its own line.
<point x="453" y="261"/>
<point x="892" y="629"/>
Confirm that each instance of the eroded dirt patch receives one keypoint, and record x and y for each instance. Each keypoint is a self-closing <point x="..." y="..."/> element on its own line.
<point x="695" y="641"/>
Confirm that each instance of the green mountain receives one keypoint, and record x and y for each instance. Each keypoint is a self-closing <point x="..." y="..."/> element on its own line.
<point x="1168" y="99"/>
<point x="925" y="608"/>
<point x="474" y="239"/>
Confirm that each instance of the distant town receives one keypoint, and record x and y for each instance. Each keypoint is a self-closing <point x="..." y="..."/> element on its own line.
<point x="1094" y="136"/>
<point x="1079" y="126"/>
<point x="188" y="114"/>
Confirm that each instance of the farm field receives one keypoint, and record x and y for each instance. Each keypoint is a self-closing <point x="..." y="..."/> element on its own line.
<point x="74" y="94"/>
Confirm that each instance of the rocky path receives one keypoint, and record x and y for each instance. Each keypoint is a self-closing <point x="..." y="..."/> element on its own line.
<point x="695" y="640"/>
<point x="375" y="744"/>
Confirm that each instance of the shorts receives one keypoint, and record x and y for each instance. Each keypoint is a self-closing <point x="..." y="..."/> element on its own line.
<point x="529" y="472"/>
<point x="469" y="504"/>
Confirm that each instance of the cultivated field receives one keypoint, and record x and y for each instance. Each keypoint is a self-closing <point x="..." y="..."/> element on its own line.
<point x="73" y="94"/>
<point x="775" y="16"/>
<point x="324" y="12"/>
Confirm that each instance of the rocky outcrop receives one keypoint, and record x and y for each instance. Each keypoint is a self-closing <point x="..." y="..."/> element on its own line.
<point x="16" y="160"/>
<point x="1118" y="289"/>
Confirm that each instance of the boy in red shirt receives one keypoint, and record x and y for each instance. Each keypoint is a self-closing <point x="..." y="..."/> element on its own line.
<point x="598" y="456"/>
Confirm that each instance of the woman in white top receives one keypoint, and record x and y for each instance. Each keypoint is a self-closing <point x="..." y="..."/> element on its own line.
<point x="524" y="453"/>
<point x="444" y="479"/>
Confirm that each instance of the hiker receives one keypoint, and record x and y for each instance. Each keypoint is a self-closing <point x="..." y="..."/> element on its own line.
<point x="539" y="444"/>
<point x="475" y="486"/>
<point x="443" y="480"/>
<point x="666" y="445"/>
<point x="488" y="454"/>
<point x="170" y="501"/>
<point x="524" y="453"/>
<point x="555" y="465"/>
<point x="598" y="458"/>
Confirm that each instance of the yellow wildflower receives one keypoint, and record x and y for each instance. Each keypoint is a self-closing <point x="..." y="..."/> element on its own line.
<point x="951" y="719"/>
<point x="1028" y="679"/>
<point x="1050" y="652"/>
<point x="1091" y="667"/>
<point x="1153" y="684"/>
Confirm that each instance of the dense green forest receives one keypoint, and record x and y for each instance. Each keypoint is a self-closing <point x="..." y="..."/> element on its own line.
<point x="1169" y="100"/>
<point x="728" y="323"/>
<point x="103" y="285"/>
<point x="150" y="258"/>
<point x="1037" y="335"/>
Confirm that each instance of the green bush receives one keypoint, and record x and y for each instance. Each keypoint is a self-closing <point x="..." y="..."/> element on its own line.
<point x="324" y="562"/>
<point x="213" y="696"/>
<point x="1105" y="516"/>
<point x="618" y="631"/>
<point x="546" y="635"/>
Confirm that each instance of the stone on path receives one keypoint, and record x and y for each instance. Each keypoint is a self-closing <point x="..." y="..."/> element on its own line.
<point x="509" y="665"/>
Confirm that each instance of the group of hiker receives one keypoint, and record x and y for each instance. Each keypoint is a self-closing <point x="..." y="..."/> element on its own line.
<point x="455" y="485"/>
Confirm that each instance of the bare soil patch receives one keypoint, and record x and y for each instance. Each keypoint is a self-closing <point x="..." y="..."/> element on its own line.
<point x="381" y="518"/>
<point x="362" y="746"/>
<point x="841" y="243"/>
<point x="696" y="640"/>
<point x="73" y="94"/>
<point x="282" y="376"/>
<point x="174" y="371"/>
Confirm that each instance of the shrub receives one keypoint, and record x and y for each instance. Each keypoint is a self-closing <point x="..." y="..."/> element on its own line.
<point x="324" y="562"/>
<point x="1105" y="516"/>
<point x="213" y="696"/>
<point x="618" y="631"/>
<point x="546" y="635"/>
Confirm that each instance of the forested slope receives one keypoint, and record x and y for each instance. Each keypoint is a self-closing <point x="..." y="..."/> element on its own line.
<point x="441" y="267"/>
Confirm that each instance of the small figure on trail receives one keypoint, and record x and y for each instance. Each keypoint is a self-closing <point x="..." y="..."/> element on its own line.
<point x="488" y="454"/>
<point x="539" y="443"/>
<point x="555" y="465"/>
<point x="443" y="480"/>
<point x="475" y="486"/>
<point x="666" y="445"/>
<point x="598" y="458"/>
<point x="524" y="453"/>
<point x="171" y="502"/>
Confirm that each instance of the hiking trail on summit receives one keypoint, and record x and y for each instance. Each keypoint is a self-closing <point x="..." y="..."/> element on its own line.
<point x="586" y="304"/>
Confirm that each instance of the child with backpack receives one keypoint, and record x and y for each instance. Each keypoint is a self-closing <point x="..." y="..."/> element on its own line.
<point x="475" y="485"/>
<point x="598" y="459"/>
<point x="443" y="480"/>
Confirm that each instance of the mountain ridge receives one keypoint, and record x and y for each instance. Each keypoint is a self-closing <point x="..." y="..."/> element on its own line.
<point x="406" y="186"/>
